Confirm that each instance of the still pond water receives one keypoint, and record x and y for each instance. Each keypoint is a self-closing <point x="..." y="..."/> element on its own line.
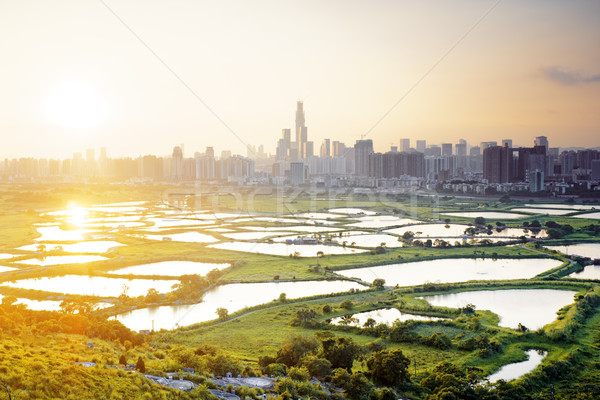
<point x="518" y="369"/>
<point x="383" y="316"/>
<point x="232" y="297"/>
<point x="533" y="308"/>
<point x="453" y="270"/>
<point x="170" y="268"/>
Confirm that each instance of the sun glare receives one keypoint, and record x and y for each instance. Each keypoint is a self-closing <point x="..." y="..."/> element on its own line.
<point x="76" y="105"/>
<point x="77" y="215"/>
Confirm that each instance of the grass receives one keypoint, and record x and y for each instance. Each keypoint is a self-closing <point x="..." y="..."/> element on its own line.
<point x="262" y="331"/>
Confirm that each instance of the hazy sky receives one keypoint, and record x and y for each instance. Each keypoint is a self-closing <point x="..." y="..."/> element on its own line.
<point x="73" y="76"/>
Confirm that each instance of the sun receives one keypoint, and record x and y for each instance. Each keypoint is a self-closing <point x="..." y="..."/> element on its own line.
<point x="76" y="215"/>
<point x="76" y="105"/>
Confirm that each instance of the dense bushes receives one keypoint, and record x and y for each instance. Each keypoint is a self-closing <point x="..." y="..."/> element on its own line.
<point x="14" y="317"/>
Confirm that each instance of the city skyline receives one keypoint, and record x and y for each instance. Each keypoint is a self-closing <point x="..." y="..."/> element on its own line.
<point x="102" y="75"/>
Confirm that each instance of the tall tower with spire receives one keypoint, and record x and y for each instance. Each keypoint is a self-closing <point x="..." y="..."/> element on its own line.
<point x="301" y="131"/>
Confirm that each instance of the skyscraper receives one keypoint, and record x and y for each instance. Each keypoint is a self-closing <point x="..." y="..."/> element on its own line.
<point x="498" y="164"/>
<point x="297" y="175"/>
<point x="421" y="146"/>
<point x="362" y="149"/>
<point x="339" y="149"/>
<point x="485" y="145"/>
<point x="325" y="148"/>
<point x="286" y="135"/>
<point x="309" y="149"/>
<point x="177" y="164"/>
<point x="507" y="142"/>
<point x="446" y="149"/>
<point x="461" y="154"/>
<point x="404" y="144"/>
<point x="536" y="181"/>
<point x="541" y="141"/>
<point x="301" y="135"/>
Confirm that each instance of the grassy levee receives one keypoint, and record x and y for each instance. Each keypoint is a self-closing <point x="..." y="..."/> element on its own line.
<point x="571" y="366"/>
<point x="249" y="267"/>
<point x="262" y="331"/>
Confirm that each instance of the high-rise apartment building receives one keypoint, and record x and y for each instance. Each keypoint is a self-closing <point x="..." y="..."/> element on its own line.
<point x="339" y="149"/>
<point x="461" y="155"/>
<point x="498" y="164"/>
<point x="433" y="150"/>
<point x="404" y="144"/>
<point x="505" y="164"/>
<point x="309" y="149"/>
<point x="362" y="149"/>
<point x="541" y="141"/>
<point x="396" y="164"/>
<point x="325" y="148"/>
<point x="177" y="164"/>
<point x="446" y="149"/>
<point x="485" y="145"/>
<point x="536" y="181"/>
<point x="297" y="176"/>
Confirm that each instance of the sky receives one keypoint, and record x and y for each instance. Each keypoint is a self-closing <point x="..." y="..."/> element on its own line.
<point x="140" y="77"/>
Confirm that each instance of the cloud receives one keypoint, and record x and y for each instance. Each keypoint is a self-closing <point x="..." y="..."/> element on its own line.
<point x="568" y="77"/>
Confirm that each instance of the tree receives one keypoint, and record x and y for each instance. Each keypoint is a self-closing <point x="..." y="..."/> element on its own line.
<point x="299" y="373"/>
<point x="296" y="348"/>
<point x="282" y="298"/>
<point x="9" y="300"/>
<point x="152" y="296"/>
<point x="378" y="283"/>
<point x="348" y="319"/>
<point x="222" y="313"/>
<point x="358" y="387"/>
<point x="123" y="297"/>
<point x="317" y="366"/>
<point x="479" y="221"/>
<point x="448" y="381"/>
<point x="140" y="365"/>
<point x="213" y="275"/>
<point x="555" y="233"/>
<point x="340" y="351"/>
<point x="389" y="368"/>
<point x="305" y="318"/>
<point x="123" y="359"/>
<point x="326" y="309"/>
<point x="370" y="323"/>
<point x="468" y="309"/>
<point x="347" y="304"/>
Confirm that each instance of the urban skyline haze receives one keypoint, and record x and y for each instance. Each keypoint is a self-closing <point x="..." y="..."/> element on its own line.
<point x="139" y="78"/>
